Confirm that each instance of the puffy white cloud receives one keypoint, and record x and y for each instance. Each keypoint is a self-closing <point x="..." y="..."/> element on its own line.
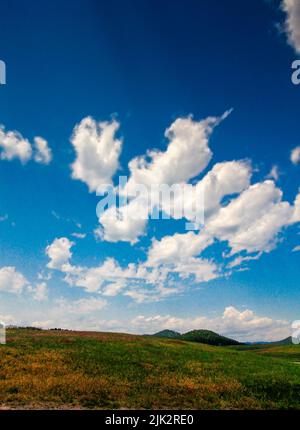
<point x="14" y="146"/>
<point x="252" y="221"/>
<point x="124" y="224"/>
<point x="201" y="270"/>
<point x="93" y="279"/>
<point x="97" y="152"/>
<point x="248" y="217"/>
<point x="12" y="281"/>
<point x="186" y="156"/>
<point x="224" y="179"/>
<point x="295" y="155"/>
<point x="246" y="325"/>
<point x="249" y="223"/>
<point x="203" y="199"/>
<point x="150" y="281"/>
<point x="296" y="248"/>
<point x="109" y="277"/>
<point x="292" y="23"/>
<point x="262" y="234"/>
<point x="227" y="178"/>
<point x="43" y="153"/>
<point x="179" y="247"/>
<point x="59" y="253"/>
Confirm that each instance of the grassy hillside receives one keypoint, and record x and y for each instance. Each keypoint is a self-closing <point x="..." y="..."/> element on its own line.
<point x="209" y="337"/>
<point x="61" y="369"/>
<point x="286" y="341"/>
<point x="169" y="334"/>
<point x="201" y="336"/>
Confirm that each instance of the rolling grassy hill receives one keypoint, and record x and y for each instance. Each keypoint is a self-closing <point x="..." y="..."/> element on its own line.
<point x="209" y="337"/>
<point x="168" y="334"/>
<point x="286" y="341"/>
<point x="200" y="336"/>
<point x="65" y="369"/>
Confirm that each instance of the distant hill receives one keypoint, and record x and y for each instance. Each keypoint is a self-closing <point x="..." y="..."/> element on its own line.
<point x="209" y="337"/>
<point x="200" y="336"/>
<point x="286" y="341"/>
<point x="170" y="334"/>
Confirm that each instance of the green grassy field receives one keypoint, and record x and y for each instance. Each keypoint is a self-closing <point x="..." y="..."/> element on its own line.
<point x="62" y="369"/>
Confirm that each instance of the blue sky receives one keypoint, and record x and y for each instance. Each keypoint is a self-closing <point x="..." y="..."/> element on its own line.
<point x="143" y="66"/>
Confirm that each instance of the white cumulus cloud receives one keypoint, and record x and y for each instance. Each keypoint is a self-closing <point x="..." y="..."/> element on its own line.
<point x="252" y="221"/>
<point x="97" y="152"/>
<point x="179" y="247"/>
<point x="14" y="146"/>
<point x="43" y="153"/>
<point x="123" y="224"/>
<point x="292" y="22"/>
<point x="186" y="155"/>
<point x="295" y="155"/>
<point x="59" y="253"/>
<point x="12" y="281"/>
